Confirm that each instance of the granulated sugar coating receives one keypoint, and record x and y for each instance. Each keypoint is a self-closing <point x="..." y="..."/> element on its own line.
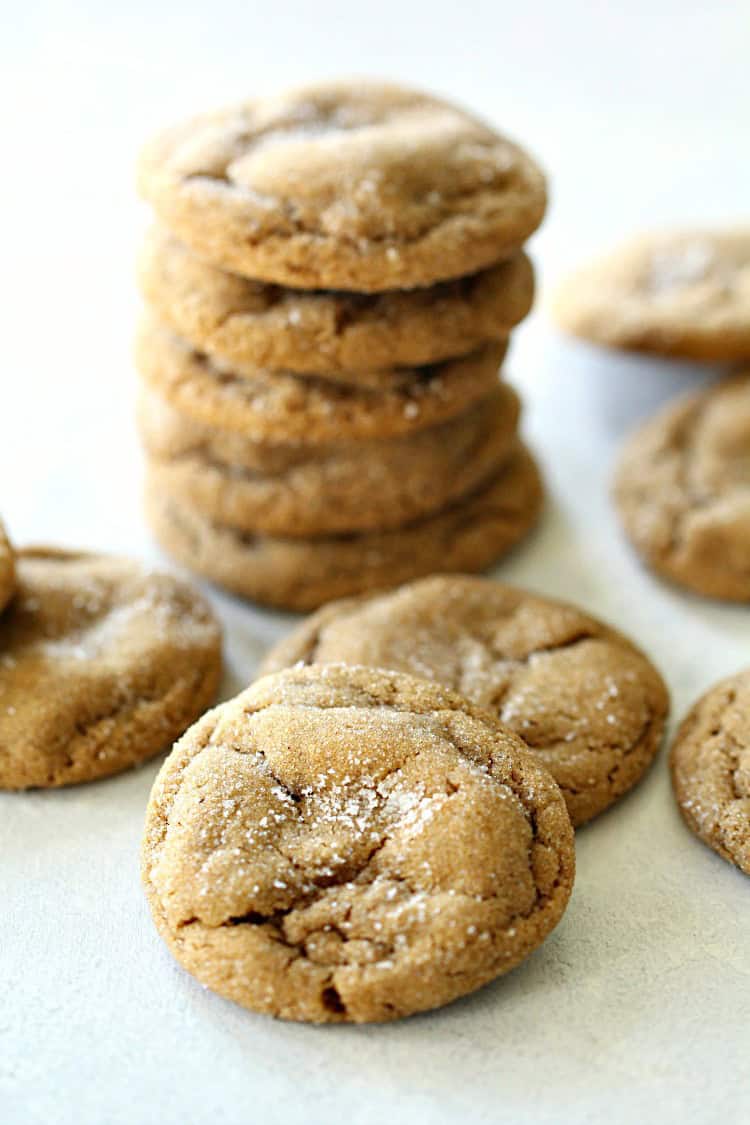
<point x="351" y="337"/>
<point x="359" y="186"/>
<point x="7" y="569"/>
<point x="277" y="406"/>
<point x="343" y="844"/>
<point x="102" y="665"/>
<point x="710" y="760"/>
<point x="584" y="699"/>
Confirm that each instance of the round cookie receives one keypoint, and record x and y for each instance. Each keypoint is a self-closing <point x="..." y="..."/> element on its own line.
<point x="168" y="434"/>
<point x="301" y="574"/>
<point x="362" y="487"/>
<point x="7" y="569"/>
<point x="710" y="762"/>
<point x="358" y="186"/>
<point x="282" y="407"/>
<point x="587" y="702"/>
<point x="351" y="845"/>
<point x="682" y="489"/>
<point x="684" y="294"/>
<point x="102" y="665"/>
<point x="348" y="336"/>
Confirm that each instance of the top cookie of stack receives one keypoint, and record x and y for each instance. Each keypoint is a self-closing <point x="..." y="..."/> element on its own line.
<point x="335" y="278"/>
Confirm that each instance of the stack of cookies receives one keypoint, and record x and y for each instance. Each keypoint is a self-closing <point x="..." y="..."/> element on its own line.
<point x="330" y="298"/>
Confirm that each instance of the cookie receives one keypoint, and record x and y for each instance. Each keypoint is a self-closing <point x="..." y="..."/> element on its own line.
<point x="360" y="186"/>
<point x="684" y="294"/>
<point x="361" y="487"/>
<point x="102" y="665"/>
<point x="348" y="336"/>
<point x="710" y="761"/>
<point x="7" y="569"/>
<point x="587" y="702"/>
<point x="349" y="845"/>
<point x="301" y="574"/>
<point x="682" y="489"/>
<point x="283" y="407"/>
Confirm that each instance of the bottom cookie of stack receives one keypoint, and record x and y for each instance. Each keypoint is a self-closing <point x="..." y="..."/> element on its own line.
<point x="302" y="574"/>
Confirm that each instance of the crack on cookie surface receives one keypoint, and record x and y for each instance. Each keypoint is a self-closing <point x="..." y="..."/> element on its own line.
<point x="373" y="910"/>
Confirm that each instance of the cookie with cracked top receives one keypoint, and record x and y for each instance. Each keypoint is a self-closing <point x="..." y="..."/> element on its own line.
<point x="348" y="845"/>
<point x="682" y="490"/>
<point x="359" y="186"/>
<point x="684" y="294"/>
<point x="710" y="763"/>
<point x="7" y="569"/>
<point x="102" y="665"/>
<point x="587" y="702"/>
<point x="301" y="574"/>
<point x="279" y="406"/>
<point x="346" y="336"/>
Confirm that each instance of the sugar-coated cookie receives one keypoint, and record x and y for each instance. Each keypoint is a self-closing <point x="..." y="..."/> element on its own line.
<point x="682" y="490"/>
<point x="102" y="665"/>
<point x="361" y="487"/>
<point x="684" y="294"/>
<point x="301" y="574"/>
<point x="347" y="336"/>
<point x="348" y="845"/>
<point x="710" y="762"/>
<point x="361" y="186"/>
<point x="283" y="407"/>
<point x="584" y="698"/>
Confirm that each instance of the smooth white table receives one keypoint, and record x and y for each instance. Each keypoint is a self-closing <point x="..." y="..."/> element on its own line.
<point x="637" y="1008"/>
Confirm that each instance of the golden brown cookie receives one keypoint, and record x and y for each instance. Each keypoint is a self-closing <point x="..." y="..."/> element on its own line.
<point x="585" y="700"/>
<point x="169" y="434"/>
<point x="301" y="574"/>
<point x="682" y="489"/>
<point x="349" y="845"/>
<point x="102" y="665"/>
<point x="362" y="487"/>
<point x="681" y="293"/>
<point x="333" y="334"/>
<point x="359" y="186"/>
<point x="282" y="407"/>
<point x="7" y="569"/>
<point x="710" y="760"/>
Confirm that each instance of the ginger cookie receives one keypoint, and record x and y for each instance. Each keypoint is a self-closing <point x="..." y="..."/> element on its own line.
<point x="364" y="487"/>
<point x="301" y="574"/>
<point x="586" y="701"/>
<point x="682" y="489"/>
<point x="7" y="569"/>
<point x="283" y="407"/>
<point x="102" y="665"/>
<point x="710" y="760"/>
<point x="684" y="294"/>
<point x="360" y="186"/>
<point x="350" y="845"/>
<point x="168" y="434"/>
<point x="251" y="325"/>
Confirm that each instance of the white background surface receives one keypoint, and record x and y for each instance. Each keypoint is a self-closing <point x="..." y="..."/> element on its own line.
<point x="637" y="1008"/>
